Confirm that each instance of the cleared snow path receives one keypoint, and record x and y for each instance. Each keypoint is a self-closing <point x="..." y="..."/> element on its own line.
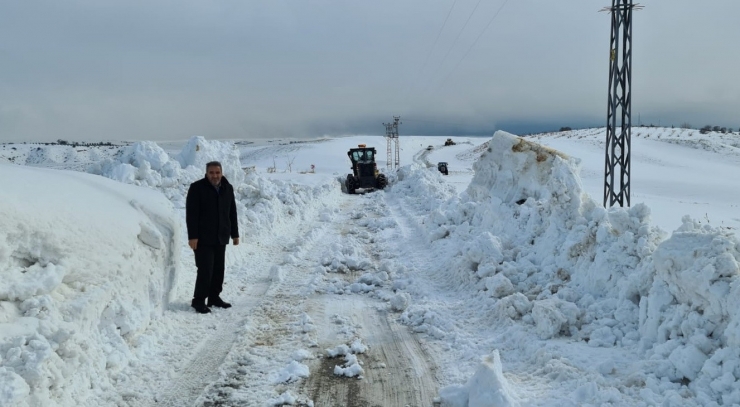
<point x="186" y="364"/>
<point x="202" y="367"/>
<point x="324" y="296"/>
<point x="397" y="369"/>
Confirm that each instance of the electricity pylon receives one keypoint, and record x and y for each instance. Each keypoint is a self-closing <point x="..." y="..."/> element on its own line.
<point x="391" y="135"/>
<point x="618" y="146"/>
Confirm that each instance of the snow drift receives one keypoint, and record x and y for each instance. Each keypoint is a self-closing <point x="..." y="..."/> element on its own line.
<point x="83" y="272"/>
<point x="548" y="255"/>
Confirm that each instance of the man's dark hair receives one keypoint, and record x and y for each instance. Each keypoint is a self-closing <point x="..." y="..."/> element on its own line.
<point x="213" y="164"/>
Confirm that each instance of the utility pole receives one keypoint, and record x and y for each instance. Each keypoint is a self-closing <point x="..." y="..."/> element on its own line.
<point x="617" y="169"/>
<point x="391" y="135"/>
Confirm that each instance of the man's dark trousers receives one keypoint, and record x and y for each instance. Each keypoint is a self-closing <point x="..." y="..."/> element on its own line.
<point x="210" y="262"/>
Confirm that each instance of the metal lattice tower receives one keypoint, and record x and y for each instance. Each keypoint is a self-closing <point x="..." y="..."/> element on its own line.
<point x="391" y="135"/>
<point x="617" y="169"/>
<point x="388" y="138"/>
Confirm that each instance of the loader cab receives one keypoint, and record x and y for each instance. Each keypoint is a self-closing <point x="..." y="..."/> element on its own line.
<point x="363" y="164"/>
<point x="362" y="155"/>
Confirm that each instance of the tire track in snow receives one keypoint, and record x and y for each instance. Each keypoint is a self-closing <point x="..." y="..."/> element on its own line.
<point x="435" y="291"/>
<point x="398" y="369"/>
<point x="302" y="310"/>
<point x="275" y="323"/>
<point x="203" y="367"/>
<point x="263" y="304"/>
<point x="194" y="360"/>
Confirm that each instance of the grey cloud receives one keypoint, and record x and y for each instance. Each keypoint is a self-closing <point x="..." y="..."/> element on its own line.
<point x="288" y="68"/>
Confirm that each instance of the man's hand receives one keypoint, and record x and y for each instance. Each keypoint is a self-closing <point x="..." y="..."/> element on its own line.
<point x="193" y="243"/>
<point x="235" y="241"/>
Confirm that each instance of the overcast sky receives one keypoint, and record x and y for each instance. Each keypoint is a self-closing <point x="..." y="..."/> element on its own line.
<point x="166" y="69"/>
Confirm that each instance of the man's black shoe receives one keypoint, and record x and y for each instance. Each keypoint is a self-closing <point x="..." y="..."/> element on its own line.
<point x="201" y="309"/>
<point x="218" y="302"/>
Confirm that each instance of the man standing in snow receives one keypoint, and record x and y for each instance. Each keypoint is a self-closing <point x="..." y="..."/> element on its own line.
<point x="210" y="213"/>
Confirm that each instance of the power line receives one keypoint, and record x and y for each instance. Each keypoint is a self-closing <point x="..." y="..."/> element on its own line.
<point x="426" y="61"/>
<point x="453" y="44"/>
<point x="475" y="42"/>
<point x="429" y="54"/>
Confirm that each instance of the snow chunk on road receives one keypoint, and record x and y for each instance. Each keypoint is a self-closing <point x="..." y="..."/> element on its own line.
<point x="283" y="399"/>
<point x="487" y="388"/>
<point x="291" y="373"/>
<point x="342" y="350"/>
<point x="400" y="302"/>
<point x="301" y="354"/>
<point x="352" y="366"/>
<point x="357" y="346"/>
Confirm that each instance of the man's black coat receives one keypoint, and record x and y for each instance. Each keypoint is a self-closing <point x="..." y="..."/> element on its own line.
<point x="211" y="214"/>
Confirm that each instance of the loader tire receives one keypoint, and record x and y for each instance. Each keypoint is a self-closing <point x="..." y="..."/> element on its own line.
<point x="382" y="181"/>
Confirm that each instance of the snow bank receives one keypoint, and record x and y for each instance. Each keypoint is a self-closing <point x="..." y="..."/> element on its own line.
<point x="262" y="204"/>
<point x="61" y="155"/>
<point x="85" y="267"/>
<point x="146" y="163"/>
<point x="690" y="316"/>
<point x="199" y="151"/>
<point x="540" y="250"/>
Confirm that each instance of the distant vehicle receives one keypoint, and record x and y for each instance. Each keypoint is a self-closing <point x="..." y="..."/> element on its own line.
<point x="442" y="167"/>
<point x="449" y="142"/>
<point x="430" y="147"/>
<point x="365" y="172"/>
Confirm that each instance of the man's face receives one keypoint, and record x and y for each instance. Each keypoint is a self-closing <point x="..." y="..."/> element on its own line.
<point x="214" y="174"/>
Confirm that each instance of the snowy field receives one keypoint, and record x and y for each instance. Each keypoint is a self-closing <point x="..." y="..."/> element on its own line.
<point x="504" y="283"/>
